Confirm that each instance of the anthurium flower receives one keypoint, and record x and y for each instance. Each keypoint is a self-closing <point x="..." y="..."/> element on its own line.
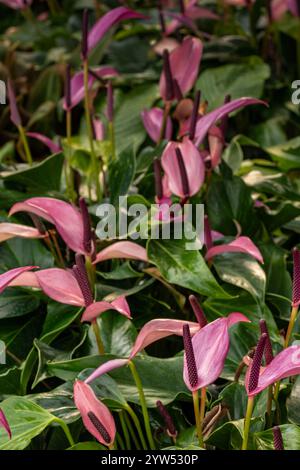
<point x="52" y="146"/>
<point x="239" y="245"/>
<point x="17" y="4"/>
<point x="63" y="286"/>
<point x="285" y="364"/>
<point x="96" y="417"/>
<point x="210" y="346"/>
<point x="191" y="12"/>
<point x="153" y="121"/>
<point x="76" y="93"/>
<point x="4" y="423"/>
<point x="184" y="64"/>
<point x="8" y="231"/>
<point x="193" y="164"/>
<point x="108" y="20"/>
<point x="204" y="123"/>
<point x="67" y="219"/>
<point x="151" y="332"/>
<point x="280" y="7"/>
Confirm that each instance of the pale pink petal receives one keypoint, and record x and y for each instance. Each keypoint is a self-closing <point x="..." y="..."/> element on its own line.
<point x="8" y="231"/>
<point x="158" y="329"/>
<point x="60" y="285"/>
<point x="165" y="43"/>
<point x="66" y="218"/>
<point x="26" y="279"/>
<point x="105" y="368"/>
<point x="87" y="402"/>
<point x="194" y="166"/>
<point x="7" y="278"/>
<point x="4" y="423"/>
<point x="205" y="122"/>
<point x="94" y="310"/>
<point x="153" y="121"/>
<point x="52" y="146"/>
<point x="111" y="18"/>
<point x="127" y="250"/>
<point x="211" y="345"/>
<point x="14" y="112"/>
<point x="239" y="245"/>
<point x="216" y="145"/>
<point x="184" y="63"/>
<point x="285" y="364"/>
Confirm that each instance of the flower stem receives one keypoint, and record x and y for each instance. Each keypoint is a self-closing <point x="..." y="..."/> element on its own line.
<point x="96" y="330"/>
<point x="131" y="431"/>
<point x="66" y="430"/>
<point x="269" y="406"/>
<point x="111" y="131"/>
<point x="202" y="404"/>
<point x="197" y="417"/>
<point x="293" y="317"/>
<point x="125" y="431"/>
<point x="143" y="404"/>
<point x="24" y="140"/>
<point x="94" y="169"/>
<point x="137" y="424"/>
<point x="247" y="422"/>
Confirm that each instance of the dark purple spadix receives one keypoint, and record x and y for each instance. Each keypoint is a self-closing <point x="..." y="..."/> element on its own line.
<point x="99" y="427"/>
<point x="168" y="76"/>
<point x="198" y="312"/>
<point x="110" y="102"/>
<point x="87" y="231"/>
<point x="167" y="419"/>
<point x="190" y="356"/>
<point x="194" y="116"/>
<point x="177" y="91"/>
<point x="183" y="173"/>
<point x="296" y="278"/>
<point x="81" y="276"/>
<point x="277" y="438"/>
<point x="207" y="233"/>
<point x="161" y="18"/>
<point x="85" y="32"/>
<point x="68" y="87"/>
<point x="256" y="363"/>
<point x="268" y="347"/>
<point x="182" y="7"/>
<point x="158" y="178"/>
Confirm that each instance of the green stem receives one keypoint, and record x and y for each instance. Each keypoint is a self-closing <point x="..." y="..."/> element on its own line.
<point x="125" y="431"/>
<point x="137" y="424"/>
<point x="97" y="334"/>
<point x="111" y="132"/>
<point x="143" y="404"/>
<point x="197" y="417"/>
<point x="131" y="432"/>
<point x="247" y="422"/>
<point x="120" y="441"/>
<point x="25" y="144"/>
<point x="95" y="169"/>
<point x="66" y="430"/>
